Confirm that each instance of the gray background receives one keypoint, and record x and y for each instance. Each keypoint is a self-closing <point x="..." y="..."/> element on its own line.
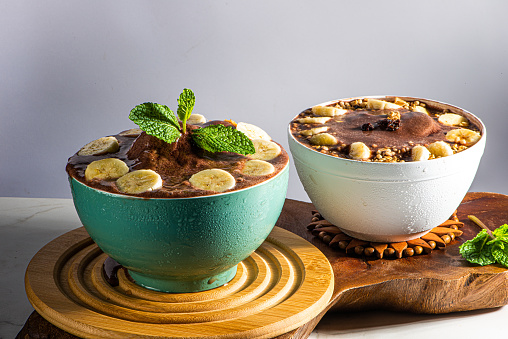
<point x="70" y="71"/>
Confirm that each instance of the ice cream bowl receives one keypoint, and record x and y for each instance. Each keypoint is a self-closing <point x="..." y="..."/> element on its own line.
<point x="182" y="244"/>
<point x="388" y="202"/>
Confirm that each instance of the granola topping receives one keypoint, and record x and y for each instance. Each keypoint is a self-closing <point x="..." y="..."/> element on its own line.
<point x="376" y="130"/>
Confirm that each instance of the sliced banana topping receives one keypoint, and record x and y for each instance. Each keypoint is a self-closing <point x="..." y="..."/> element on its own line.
<point x="214" y="179"/>
<point x="323" y="139"/>
<point x="100" y="146"/>
<point x="313" y="131"/>
<point x="139" y="181"/>
<point x="252" y="131"/>
<point x="401" y="102"/>
<point x="463" y="136"/>
<point x="133" y="132"/>
<point x="420" y="109"/>
<point x="258" y="168"/>
<point x="313" y="120"/>
<point x="106" y="169"/>
<point x="452" y="119"/>
<point x="440" y="149"/>
<point x="381" y="104"/>
<point x="327" y="111"/>
<point x="420" y="153"/>
<point x="265" y="150"/>
<point x="196" y="119"/>
<point x="359" y="151"/>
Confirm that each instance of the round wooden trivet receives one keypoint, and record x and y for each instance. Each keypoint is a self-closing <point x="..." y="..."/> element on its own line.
<point x="282" y="285"/>
<point x="438" y="237"/>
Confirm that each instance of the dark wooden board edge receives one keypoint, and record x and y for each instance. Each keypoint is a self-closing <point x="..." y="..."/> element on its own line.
<point x="441" y="282"/>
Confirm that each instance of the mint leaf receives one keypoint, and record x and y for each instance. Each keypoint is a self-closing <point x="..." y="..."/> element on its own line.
<point x="501" y="232"/>
<point x="500" y="251"/>
<point x="478" y="250"/>
<point x="157" y="120"/>
<point x="220" y="138"/>
<point x="186" y="103"/>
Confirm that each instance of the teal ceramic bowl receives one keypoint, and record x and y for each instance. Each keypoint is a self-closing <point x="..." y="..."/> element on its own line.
<point x="184" y="244"/>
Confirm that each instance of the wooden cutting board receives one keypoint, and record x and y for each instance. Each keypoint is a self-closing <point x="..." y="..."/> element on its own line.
<point x="441" y="282"/>
<point x="279" y="287"/>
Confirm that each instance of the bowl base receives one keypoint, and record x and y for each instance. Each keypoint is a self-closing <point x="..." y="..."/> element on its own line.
<point x="383" y="237"/>
<point x="160" y="284"/>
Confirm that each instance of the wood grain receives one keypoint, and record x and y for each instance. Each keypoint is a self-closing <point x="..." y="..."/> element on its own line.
<point x="441" y="282"/>
<point x="282" y="285"/>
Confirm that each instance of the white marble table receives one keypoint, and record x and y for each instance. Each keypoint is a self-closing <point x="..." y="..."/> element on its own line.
<point x="27" y="224"/>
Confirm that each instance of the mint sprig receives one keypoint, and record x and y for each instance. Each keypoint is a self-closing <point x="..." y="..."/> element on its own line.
<point x="160" y="122"/>
<point x="477" y="250"/>
<point x="487" y="247"/>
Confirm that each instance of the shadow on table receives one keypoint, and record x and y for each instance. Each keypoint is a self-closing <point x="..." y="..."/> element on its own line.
<point x="366" y="321"/>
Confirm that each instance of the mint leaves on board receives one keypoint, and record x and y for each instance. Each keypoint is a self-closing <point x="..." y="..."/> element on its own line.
<point x="160" y="122"/>
<point x="487" y="247"/>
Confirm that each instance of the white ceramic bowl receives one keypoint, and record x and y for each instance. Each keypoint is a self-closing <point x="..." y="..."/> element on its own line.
<point x="388" y="202"/>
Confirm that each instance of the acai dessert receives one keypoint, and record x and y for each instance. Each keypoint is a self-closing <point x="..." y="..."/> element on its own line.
<point x="390" y="130"/>
<point x="168" y="158"/>
<point x="386" y="168"/>
<point x="179" y="202"/>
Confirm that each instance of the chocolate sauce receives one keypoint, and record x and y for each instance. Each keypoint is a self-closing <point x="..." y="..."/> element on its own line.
<point x="175" y="163"/>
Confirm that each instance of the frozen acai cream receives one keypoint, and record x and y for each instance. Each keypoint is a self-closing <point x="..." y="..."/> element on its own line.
<point x="391" y="130"/>
<point x="170" y="157"/>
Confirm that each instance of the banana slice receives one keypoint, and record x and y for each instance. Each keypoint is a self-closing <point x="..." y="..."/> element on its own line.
<point x="214" y="179"/>
<point x="252" y="131"/>
<point x="327" y="111"/>
<point x="323" y="139"/>
<point x="381" y="104"/>
<point x="313" y="131"/>
<point x="139" y="181"/>
<point x="359" y="151"/>
<point x="313" y="120"/>
<point x="440" y="149"/>
<point x="420" y="153"/>
<point x="100" y="146"/>
<point x="401" y="102"/>
<point x="452" y="119"/>
<point x="463" y="136"/>
<point x="420" y="109"/>
<point x="265" y="150"/>
<point x="257" y="168"/>
<point x="106" y="169"/>
<point x="133" y="132"/>
<point x="196" y="119"/>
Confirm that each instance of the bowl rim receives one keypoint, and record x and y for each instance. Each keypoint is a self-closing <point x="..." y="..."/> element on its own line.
<point x="483" y="131"/>
<point x="127" y="196"/>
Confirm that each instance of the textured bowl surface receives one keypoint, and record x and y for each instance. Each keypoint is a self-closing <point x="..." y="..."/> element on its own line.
<point x="388" y="202"/>
<point x="186" y="244"/>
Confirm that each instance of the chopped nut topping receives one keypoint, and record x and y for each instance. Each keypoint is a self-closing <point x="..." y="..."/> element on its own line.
<point x="317" y="131"/>
<point x="393" y="115"/>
